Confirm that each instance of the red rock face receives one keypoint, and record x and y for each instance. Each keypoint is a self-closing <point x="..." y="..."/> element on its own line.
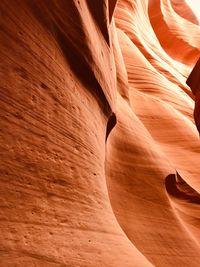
<point x="99" y="150"/>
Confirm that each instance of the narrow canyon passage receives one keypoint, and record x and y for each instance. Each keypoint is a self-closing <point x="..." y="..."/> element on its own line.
<point x="100" y="149"/>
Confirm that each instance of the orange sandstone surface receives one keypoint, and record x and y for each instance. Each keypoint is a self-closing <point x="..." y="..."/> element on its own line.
<point x="100" y="153"/>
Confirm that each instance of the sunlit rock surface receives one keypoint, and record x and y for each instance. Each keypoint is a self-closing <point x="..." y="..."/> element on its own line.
<point x="100" y="153"/>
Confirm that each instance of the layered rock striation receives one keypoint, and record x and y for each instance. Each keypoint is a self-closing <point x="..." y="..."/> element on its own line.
<point x="99" y="149"/>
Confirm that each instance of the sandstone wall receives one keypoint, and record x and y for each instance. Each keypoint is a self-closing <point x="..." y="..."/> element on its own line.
<point x="99" y="150"/>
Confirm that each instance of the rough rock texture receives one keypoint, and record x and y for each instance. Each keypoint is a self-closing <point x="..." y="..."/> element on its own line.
<point x="99" y="150"/>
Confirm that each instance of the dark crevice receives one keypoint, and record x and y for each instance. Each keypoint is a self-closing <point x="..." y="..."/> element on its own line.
<point x="111" y="124"/>
<point x="112" y="5"/>
<point x="193" y="80"/>
<point x="98" y="10"/>
<point x="177" y="188"/>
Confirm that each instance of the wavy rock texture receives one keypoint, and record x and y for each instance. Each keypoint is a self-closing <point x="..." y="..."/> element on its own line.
<point x="99" y="150"/>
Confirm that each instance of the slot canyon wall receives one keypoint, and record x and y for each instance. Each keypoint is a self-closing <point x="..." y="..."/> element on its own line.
<point x="100" y="154"/>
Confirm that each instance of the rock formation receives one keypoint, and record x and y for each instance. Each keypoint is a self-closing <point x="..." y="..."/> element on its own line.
<point x="100" y="153"/>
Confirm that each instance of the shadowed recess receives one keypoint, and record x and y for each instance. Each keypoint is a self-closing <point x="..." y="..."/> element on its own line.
<point x="177" y="188"/>
<point x="98" y="10"/>
<point x="73" y="42"/>
<point x="111" y="124"/>
<point x="112" y="5"/>
<point x="193" y="80"/>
